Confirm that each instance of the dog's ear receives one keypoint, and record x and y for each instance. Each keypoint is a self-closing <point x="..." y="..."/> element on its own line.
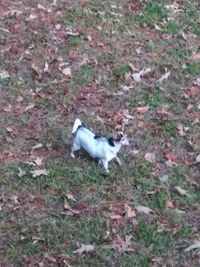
<point x="117" y="137"/>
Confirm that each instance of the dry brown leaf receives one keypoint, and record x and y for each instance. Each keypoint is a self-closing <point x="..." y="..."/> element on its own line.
<point x="73" y="211"/>
<point x="130" y="212"/>
<point x="195" y="245"/>
<point x="37" y="146"/>
<point x="150" y="157"/>
<point x="12" y="13"/>
<point x="38" y="161"/>
<point x="195" y="57"/>
<point x="38" y="238"/>
<point x="67" y="71"/>
<point x="4" y="74"/>
<point x="181" y="191"/>
<point x="36" y="69"/>
<point x="181" y="129"/>
<point x="30" y="106"/>
<point x="49" y="258"/>
<point x="37" y="173"/>
<point x="113" y="216"/>
<point x="84" y="249"/>
<point x="137" y="75"/>
<point x="143" y="209"/>
<point x="70" y="197"/>
<point x="121" y="245"/>
<point x="169" y="204"/>
<point x="198" y="158"/>
<point x="46" y="67"/>
<point x="143" y="109"/>
<point x="164" y="76"/>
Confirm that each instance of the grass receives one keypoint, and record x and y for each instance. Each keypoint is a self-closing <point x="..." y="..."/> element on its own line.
<point x="37" y="227"/>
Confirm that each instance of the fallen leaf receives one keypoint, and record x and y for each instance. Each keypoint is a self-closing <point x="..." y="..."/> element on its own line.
<point x="72" y="32"/>
<point x="38" y="238"/>
<point x="37" y="173"/>
<point x="164" y="76"/>
<point x="73" y="54"/>
<point x="130" y="212"/>
<point x="30" y="106"/>
<point x="73" y="211"/>
<point x="150" y="157"/>
<point x="12" y="13"/>
<point x="38" y="161"/>
<point x="195" y="245"/>
<point x="137" y="75"/>
<point x="198" y="158"/>
<point x="164" y="178"/>
<point x="195" y="56"/>
<point x="67" y="72"/>
<point x="4" y="74"/>
<point x="21" y="173"/>
<point x="121" y="245"/>
<point x="84" y="249"/>
<point x="143" y="209"/>
<point x="15" y="110"/>
<point x="181" y="191"/>
<point x="143" y="109"/>
<point x="36" y="69"/>
<point x="113" y="216"/>
<point x="46" y="67"/>
<point x="170" y="163"/>
<point x="181" y="129"/>
<point x="49" y="258"/>
<point x="37" y="146"/>
<point x="70" y="197"/>
<point x="192" y="91"/>
<point x="169" y="204"/>
<point x="170" y="156"/>
<point x="179" y="211"/>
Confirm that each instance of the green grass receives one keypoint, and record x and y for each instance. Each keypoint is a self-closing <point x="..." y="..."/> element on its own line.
<point x="120" y="71"/>
<point x="153" y="12"/>
<point x="193" y="68"/>
<point x="34" y="208"/>
<point x="172" y="27"/>
<point x="85" y="75"/>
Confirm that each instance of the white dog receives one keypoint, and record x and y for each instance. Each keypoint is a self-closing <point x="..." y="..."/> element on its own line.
<point x="102" y="148"/>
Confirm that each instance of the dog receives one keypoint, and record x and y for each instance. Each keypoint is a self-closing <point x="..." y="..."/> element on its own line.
<point x="99" y="147"/>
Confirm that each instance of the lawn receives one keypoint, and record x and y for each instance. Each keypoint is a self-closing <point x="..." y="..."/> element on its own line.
<point x="131" y="65"/>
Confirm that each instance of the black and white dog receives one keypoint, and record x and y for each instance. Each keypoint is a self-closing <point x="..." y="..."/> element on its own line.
<point x="102" y="148"/>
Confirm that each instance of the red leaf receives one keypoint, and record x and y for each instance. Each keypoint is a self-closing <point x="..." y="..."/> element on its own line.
<point x="192" y="91"/>
<point x="169" y="204"/>
<point x="73" y="54"/>
<point x="170" y="156"/>
<point x="134" y="5"/>
<point x="113" y="216"/>
<point x="142" y="109"/>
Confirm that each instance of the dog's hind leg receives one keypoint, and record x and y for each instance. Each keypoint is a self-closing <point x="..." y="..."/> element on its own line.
<point x="76" y="146"/>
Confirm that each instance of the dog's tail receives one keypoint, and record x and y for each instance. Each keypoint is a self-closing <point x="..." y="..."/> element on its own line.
<point x="77" y="124"/>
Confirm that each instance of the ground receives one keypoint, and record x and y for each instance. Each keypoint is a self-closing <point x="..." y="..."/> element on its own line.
<point x="131" y="65"/>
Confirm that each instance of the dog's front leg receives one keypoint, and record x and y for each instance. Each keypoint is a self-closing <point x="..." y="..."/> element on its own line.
<point x="118" y="160"/>
<point x="76" y="146"/>
<point x="105" y="165"/>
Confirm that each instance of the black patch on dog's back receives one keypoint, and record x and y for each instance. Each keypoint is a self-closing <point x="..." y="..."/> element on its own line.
<point x="110" y="141"/>
<point x="97" y="136"/>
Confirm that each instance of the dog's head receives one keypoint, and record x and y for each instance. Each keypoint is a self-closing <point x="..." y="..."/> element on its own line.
<point x="120" y="138"/>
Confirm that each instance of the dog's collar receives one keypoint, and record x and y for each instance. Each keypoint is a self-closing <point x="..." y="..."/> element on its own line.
<point x="110" y="141"/>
